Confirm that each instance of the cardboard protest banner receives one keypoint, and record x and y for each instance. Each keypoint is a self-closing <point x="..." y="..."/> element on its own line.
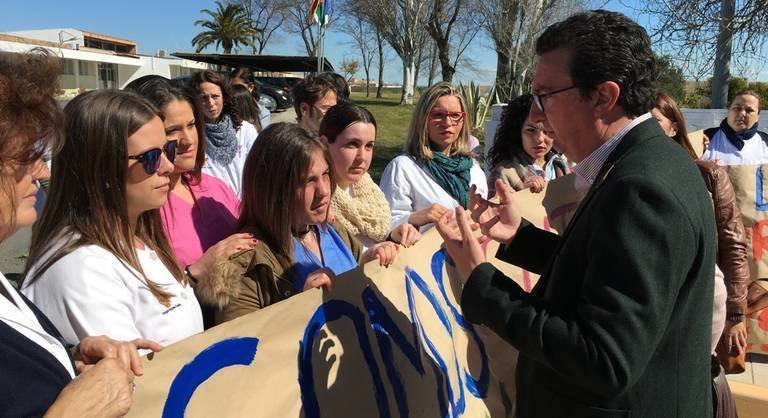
<point x="752" y="197"/>
<point x="697" y="141"/>
<point x="385" y="342"/>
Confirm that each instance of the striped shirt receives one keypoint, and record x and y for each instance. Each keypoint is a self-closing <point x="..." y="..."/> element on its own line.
<point x="588" y="168"/>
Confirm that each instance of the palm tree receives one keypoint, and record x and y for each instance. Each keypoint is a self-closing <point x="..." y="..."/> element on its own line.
<point x="229" y="26"/>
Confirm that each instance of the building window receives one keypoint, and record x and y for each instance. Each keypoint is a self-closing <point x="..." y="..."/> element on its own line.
<point x="67" y="67"/>
<point x="84" y="68"/>
<point x="107" y="46"/>
<point x="107" y="75"/>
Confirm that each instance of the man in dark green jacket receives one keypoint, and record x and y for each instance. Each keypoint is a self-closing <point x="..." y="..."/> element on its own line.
<point x="619" y="322"/>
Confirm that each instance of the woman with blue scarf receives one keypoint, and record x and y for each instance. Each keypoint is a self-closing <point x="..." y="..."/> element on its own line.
<point x="285" y="206"/>
<point x="437" y="171"/>
<point x="228" y="137"/>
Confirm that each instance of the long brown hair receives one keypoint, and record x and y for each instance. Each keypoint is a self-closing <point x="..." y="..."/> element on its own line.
<point x="668" y="107"/>
<point x="30" y="120"/>
<point x="213" y="77"/>
<point x="246" y="105"/>
<point x="417" y="141"/>
<point x="86" y="204"/>
<point x="160" y="92"/>
<point x="276" y="168"/>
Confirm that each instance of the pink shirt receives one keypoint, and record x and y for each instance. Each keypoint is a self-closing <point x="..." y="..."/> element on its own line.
<point x="192" y="229"/>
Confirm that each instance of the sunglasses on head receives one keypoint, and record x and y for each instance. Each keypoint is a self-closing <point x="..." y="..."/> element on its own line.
<point x="150" y="159"/>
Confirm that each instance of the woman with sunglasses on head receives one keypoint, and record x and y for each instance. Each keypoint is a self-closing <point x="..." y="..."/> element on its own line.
<point x="99" y="260"/>
<point x="729" y="331"/>
<point x="228" y="137"/>
<point x="41" y="376"/>
<point x="200" y="214"/>
<point x="349" y="132"/>
<point x="522" y="155"/>
<point x="437" y="171"/>
<point x="298" y="248"/>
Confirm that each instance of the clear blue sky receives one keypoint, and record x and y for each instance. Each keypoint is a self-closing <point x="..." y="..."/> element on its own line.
<point x="169" y="25"/>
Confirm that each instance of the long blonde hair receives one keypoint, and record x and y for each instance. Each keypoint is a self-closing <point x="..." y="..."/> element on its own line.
<point x="417" y="141"/>
<point x="87" y="204"/>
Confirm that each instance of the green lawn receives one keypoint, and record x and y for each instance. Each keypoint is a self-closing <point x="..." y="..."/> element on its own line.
<point x="392" y="121"/>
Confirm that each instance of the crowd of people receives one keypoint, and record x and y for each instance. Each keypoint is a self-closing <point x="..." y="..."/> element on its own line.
<point x="175" y="205"/>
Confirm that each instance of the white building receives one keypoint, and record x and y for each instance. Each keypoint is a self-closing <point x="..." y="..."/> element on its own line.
<point x="92" y="61"/>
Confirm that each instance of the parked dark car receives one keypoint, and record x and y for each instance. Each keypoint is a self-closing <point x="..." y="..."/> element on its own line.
<point x="270" y="93"/>
<point x="285" y="83"/>
<point x="273" y="98"/>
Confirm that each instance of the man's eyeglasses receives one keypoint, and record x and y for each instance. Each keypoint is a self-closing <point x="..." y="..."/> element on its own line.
<point x="151" y="159"/>
<point x="539" y="98"/>
<point x="454" y="117"/>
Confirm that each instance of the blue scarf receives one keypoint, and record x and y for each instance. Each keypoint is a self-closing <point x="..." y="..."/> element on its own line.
<point x="737" y="138"/>
<point x="221" y="144"/>
<point x="452" y="174"/>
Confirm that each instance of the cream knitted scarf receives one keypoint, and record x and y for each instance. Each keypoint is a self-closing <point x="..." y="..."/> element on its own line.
<point x="365" y="212"/>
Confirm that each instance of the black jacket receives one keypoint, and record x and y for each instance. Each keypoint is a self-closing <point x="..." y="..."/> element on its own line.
<point x="619" y="322"/>
<point x="30" y="377"/>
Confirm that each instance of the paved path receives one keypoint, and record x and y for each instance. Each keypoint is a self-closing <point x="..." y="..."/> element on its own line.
<point x="14" y="250"/>
<point x="288" y="115"/>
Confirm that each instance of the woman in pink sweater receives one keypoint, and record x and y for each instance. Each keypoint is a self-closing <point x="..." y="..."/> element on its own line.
<point x="200" y="215"/>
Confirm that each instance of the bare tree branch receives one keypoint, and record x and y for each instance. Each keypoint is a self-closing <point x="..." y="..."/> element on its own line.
<point x="710" y="36"/>
<point x="400" y="23"/>
<point x="445" y="19"/>
<point x="355" y="24"/>
<point x="266" y="16"/>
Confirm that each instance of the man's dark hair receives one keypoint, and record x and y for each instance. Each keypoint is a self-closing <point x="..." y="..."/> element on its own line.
<point x="607" y="46"/>
<point x="310" y="90"/>
<point x="342" y="87"/>
<point x="243" y="73"/>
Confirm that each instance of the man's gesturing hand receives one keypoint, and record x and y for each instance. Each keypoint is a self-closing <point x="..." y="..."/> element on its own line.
<point x="460" y="242"/>
<point x="498" y="221"/>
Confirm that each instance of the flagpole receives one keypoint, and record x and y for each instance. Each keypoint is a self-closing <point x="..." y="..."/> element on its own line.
<point x="318" y="50"/>
<point x="324" y="20"/>
<point x="322" y="44"/>
<point x="318" y="12"/>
